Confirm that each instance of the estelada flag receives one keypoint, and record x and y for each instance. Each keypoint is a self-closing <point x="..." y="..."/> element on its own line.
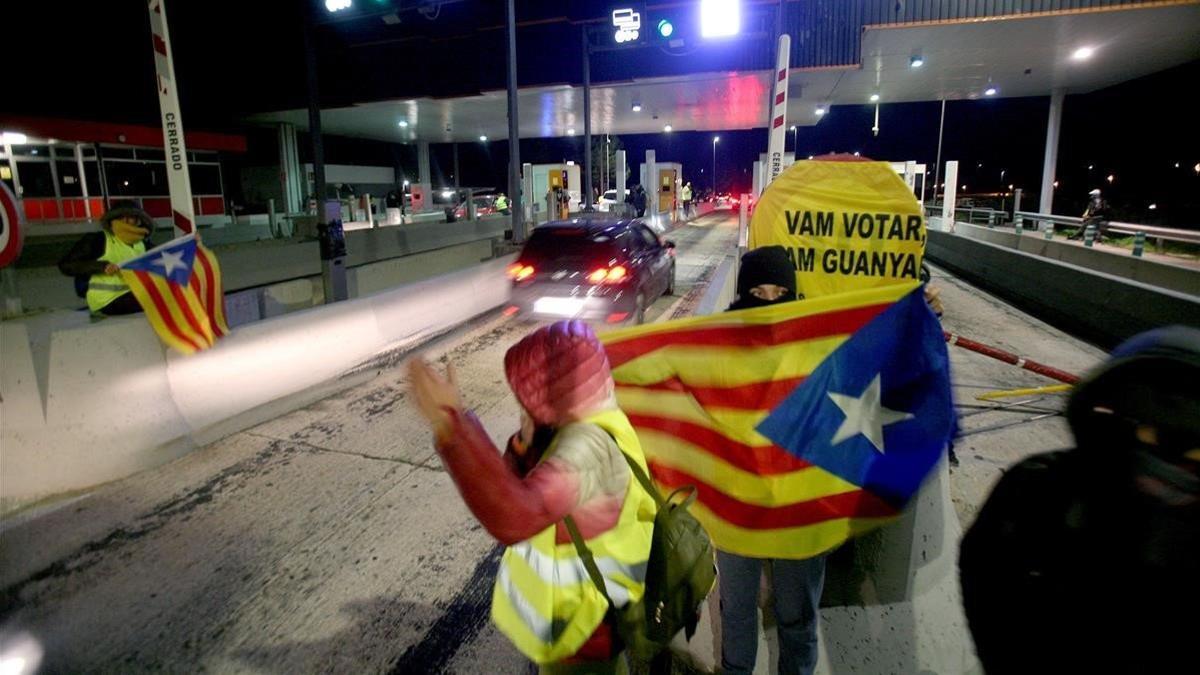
<point x="800" y="424"/>
<point x="179" y="288"/>
<point x="846" y="223"/>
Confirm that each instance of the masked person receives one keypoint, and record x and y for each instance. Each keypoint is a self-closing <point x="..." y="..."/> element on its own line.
<point x="1088" y="560"/>
<point x="767" y="277"/>
<point x="93" y="261"/>
<point x="565" y="461"/>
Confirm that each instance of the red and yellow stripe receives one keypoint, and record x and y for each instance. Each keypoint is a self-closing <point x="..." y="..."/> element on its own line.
<point x="175" y="312"/>
<point x="206" y="281"/>
<point x="696" y="390"/>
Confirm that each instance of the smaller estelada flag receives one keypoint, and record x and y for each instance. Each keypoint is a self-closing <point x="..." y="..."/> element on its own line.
<point x="178" y="286"/>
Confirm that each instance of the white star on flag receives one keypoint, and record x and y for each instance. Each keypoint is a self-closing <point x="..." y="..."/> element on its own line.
<point x="865" y="415"/>
<point x="169" y="262"/>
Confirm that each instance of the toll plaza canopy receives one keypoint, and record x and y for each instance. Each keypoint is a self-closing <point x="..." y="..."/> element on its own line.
<point x="843" y="53"/>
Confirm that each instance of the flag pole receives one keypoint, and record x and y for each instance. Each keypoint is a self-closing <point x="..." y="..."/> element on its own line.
<point x="183" y="214"/>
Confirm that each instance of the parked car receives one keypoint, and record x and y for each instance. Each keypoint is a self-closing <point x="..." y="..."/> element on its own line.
<point x="609" y="200"/>
<point x="598" y="268"/>
<point x="485" y="205"/>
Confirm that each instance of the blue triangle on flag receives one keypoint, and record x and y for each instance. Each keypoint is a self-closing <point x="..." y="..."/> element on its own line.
<point x="173" y="260"/>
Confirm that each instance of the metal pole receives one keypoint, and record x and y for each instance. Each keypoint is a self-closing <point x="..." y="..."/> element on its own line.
<point x="714" y="166"/>
<point x="937" y="166"/>
<point x="587" y="122"/>
<point x="515" y="196"/>
<point x="332" y="239"/>
<point x="456" y="178"/>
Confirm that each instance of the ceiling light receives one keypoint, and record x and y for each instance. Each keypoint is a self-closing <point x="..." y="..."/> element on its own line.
<point x="990" y="91"/>
<point x="637" y="107"/>
<point x="13" y="138"/>
<point x="337" y="5"/>
<point x="820" y="111"/>
<point x="403" y="124"/>
<point x="874" y="98"/>
<point x="667" y="128"/>
<point x="570" y="132"/>
<point x="1083" y="53"/>
<point x="916" y="62"/>
<point x="483" y="139"/>
<point x="720" y="18"/>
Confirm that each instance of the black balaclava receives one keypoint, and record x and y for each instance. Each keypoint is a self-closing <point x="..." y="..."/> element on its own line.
<point x="766" y="265"/>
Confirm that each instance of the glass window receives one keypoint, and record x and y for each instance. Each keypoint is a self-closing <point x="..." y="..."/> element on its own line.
<point x="135" y="179"/>
<point x="206" y="179"/>
<point x="68" y="179"/>
<point x="116" y="153"/>
<point x="64" y="151"/>
<point x="648" y="238"/>
<point x="36" y="180"/>
<point x="31" y="150"/>
<point x="145" y="153"/>
<point x="91" y="172"/>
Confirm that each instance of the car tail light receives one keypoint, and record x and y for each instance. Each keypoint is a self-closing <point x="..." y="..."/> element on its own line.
<point x="608" y="275"/>
<point x="519" y="272"/>
<point x="617" y="317"/>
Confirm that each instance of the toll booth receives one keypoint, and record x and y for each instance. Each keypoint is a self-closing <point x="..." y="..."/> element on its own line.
<point x="548" y="176"/>
<point x="667" y="185"/>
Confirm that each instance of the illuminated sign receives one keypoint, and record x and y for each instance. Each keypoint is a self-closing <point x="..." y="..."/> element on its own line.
<point x="628" y="24"/>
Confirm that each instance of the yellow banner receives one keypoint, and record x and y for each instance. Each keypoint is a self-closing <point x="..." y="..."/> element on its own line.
<point x="846" y="225"/>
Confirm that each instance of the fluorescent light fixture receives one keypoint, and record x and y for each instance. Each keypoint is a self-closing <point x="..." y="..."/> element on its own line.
<point x="820" y="111"/>
<point x="637" y="107"/>
<point x="1083" y="53"/>
<point x="720" y="18"/>
<point x="570" y="132"/>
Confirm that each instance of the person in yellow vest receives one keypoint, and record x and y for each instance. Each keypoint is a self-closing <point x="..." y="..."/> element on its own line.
<point x="124" y="234"/>
<point x="502" y="204"/>
<point x="565" y="461"/>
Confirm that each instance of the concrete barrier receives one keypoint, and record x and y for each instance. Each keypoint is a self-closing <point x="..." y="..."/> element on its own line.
<point x="1100" y="307"/>
<point x="1154" y="273"/>
<point x="85" y="403"/>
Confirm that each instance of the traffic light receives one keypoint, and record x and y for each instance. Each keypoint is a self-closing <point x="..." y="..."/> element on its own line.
<point x="665" y="29"/>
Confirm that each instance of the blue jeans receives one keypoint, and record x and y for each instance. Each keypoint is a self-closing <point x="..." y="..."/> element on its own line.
<point x="797" y="585"/>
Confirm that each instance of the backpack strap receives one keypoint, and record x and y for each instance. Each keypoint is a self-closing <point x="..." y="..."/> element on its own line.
<point x="589" y="562"/>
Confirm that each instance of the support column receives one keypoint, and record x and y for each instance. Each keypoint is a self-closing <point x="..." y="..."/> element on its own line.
<point x="950" y="196"/>
<point x="650" y="183"/>
<point x="621" y="180"/>
<point x="457" y="179"/>
<point x="1050" y="161"/>
<point x="290" y="175"/>
<point x="587" y="123"/>
<point x="516" y="186"/>
<point x="83" y="186"/>
<point x="423" y="176"/>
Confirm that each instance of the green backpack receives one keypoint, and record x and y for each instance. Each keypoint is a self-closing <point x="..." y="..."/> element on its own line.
<point x="679" y="575"/>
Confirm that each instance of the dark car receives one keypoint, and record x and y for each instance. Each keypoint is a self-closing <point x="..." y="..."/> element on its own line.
<point x="592" y="268"/>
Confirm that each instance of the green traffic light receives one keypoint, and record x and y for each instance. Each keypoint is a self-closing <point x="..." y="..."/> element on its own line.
<point x="665" y="28"/>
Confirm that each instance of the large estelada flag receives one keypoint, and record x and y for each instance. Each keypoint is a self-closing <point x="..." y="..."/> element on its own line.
<point x="800" y="424"/>
<point x="178" y="286"/>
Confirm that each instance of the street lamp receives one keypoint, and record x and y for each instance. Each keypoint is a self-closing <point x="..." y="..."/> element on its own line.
<point x="716" y="139"/>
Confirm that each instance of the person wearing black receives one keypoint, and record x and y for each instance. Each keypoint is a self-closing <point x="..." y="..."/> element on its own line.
<point x="1088" y="560"/>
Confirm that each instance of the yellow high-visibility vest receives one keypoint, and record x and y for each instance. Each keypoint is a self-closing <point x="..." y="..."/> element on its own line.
<point x="104" y="288"/>
<point x="544" y="600"/>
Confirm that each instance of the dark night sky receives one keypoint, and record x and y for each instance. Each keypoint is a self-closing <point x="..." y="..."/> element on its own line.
<point x="236" y="57"/>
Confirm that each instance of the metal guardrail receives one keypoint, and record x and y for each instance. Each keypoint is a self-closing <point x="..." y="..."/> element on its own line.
<point x="1159" y="234"/>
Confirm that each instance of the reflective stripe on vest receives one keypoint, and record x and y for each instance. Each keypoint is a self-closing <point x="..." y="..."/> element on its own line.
<point x="544" y="600"/>
<point x="104" y="288"/>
